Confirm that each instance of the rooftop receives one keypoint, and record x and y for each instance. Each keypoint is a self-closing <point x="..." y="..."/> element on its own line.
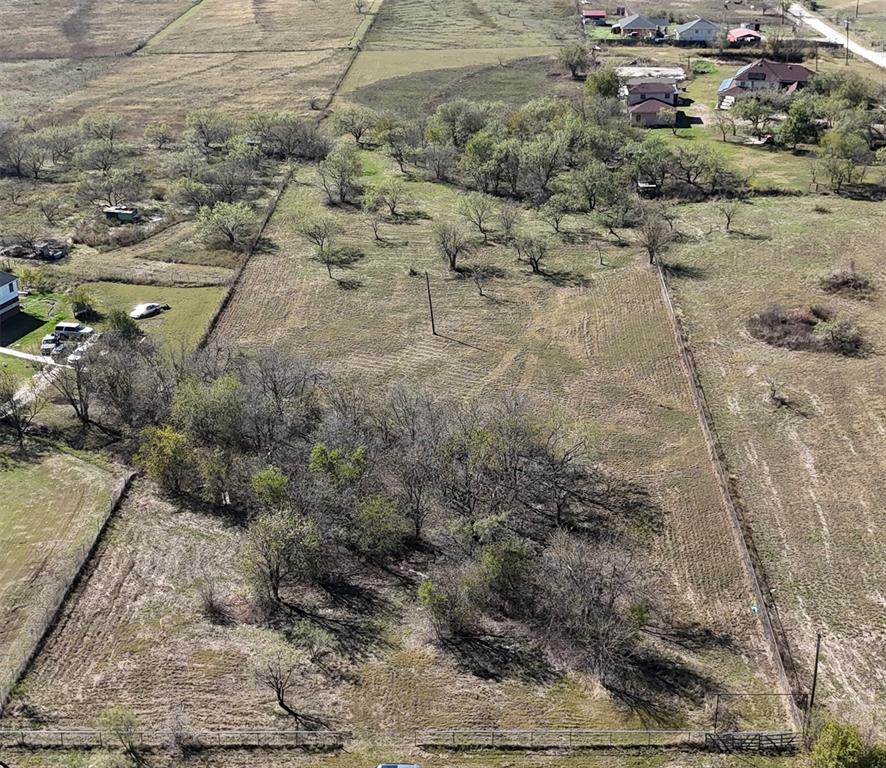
<point x="650" y="106"/>
<point x="6" y="278"/>
<point x="652" y="86"/>
<point x="777" y="70"/>
<point x="696" y="21"/>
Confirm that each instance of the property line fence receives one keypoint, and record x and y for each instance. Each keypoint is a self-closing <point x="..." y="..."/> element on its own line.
<point x="16" y="657"/>
<point x="67" y="738"/>
<point x="780" y="650"/>
<point x="751" y="741"/>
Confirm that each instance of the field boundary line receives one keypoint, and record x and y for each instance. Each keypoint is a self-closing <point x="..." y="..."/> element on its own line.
<point x="779" y="649"/>
<point x="235" y="279"/>
<point x="150" y="38"/>
<point x="38" y="631"/>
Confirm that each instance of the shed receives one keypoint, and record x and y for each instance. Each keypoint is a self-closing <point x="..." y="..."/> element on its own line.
<point x="743" y="36"/>
<point x="121" y="213"/>
<point x="596" y="17"/>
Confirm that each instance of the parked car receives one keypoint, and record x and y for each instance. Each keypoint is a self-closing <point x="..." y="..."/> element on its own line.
<point x="48" y="344"/>
<point x="77" y="355"/>
<point x="147" y="310"/>
<point x="70" y="330"/>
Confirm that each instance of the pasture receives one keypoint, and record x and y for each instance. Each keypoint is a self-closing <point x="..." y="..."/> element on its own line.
<point x="809" y="471"/>
<point x="53" y="502"/>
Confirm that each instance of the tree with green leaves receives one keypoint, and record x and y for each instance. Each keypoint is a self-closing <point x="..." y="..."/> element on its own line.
<point x="452" y="242"/>
<point x="165" y="456"/>
<point x="478" y="209"/>
<point x="357" y="121"/>
<point x="339" y="173"/>
<point x="532" y="249"/>
<point x="209" y="127"/>
<point x="234" y="223"/>
<point x="574" y="56"/>
<point x="603" y="83"/>
<point x="158" y="134"/>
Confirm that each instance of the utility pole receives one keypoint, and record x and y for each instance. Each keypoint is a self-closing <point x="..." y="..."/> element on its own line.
<point x="430" y="303"/>
<point x="847" y="42"/>
<point x="814" y="675"/>
<point x="856" y="9"/>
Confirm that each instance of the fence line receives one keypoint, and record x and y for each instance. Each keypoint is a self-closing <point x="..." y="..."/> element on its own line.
<point x="779" y="648"/>
<point x="65" y="738"/>
<point x="584" y="739"/>
<point x="15" y="662"/>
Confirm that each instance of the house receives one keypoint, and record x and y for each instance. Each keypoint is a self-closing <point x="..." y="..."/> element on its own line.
<point x="766" y="74"/>
<point x="762" y="74"/>
<point x="122" y="214"/>
<point x="637" y="25"/>
<point x="643" y="90"/>
<point x="9" y="300"/>
<point x="596" y="18"/>
<point x="743" y="36"/>
<point x="698" y="30"/>
<point x="648" y="113"/>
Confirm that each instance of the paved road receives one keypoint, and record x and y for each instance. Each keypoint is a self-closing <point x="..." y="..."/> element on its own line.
<point x="836" y="35"/>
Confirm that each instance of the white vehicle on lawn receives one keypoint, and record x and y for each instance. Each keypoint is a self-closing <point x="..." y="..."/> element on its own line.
<point x="48" y="344"/>
<point x="72" y="330"/>
<point x="150" y="309"/>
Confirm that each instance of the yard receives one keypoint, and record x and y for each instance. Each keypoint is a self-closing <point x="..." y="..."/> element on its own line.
<point x="809" y="472"/>
<point x="53" y="504"/>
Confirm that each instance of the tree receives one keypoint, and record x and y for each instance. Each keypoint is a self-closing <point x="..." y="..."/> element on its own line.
<point x="509" y="216"/>
<point x="111" y="188"/>
<point x="97" y="155"/>
<point x="120" y="724"/>
<point x="532" y="250"/>
<point x="158" y="134"/>
<point x="122" y="327"/>
<point x="724" y="119"/>
<point x="655" y="233"/>
<point x="340" y="171"/>
<point x="51" y="207"/>
<point x="165" y="456"/>
<point x="321" y="230"/>
<point x="541" y="159"/>
<point x="381" y="530"/>
<point x="73" y="383"/>
<point x="234" y="222"/>
<point x="574" y="57"/>
<point x="62" y="142"/>
<point x="390" y="193"/>
<point x="478" y="209"/>
<point x="845" y="156"/>
<point x="758" y="110"/>
<point x="481" y="274"/>
<point x="668" y="116"/>
<point x="838" y="745"/>
<point x="210" y="127"/>
<point x="20" y="404"/>
<point x="554" y="211"/>
<point x="603" y="83"/>
<point x="271" y="487"/>
<point x="729" y="208"/>
<point x="357" y="121"/>
<point x="452" y="242"/>
<point x="801" y="125"/>
<point x="105" y="127"/>
<point x="82" y="302"/>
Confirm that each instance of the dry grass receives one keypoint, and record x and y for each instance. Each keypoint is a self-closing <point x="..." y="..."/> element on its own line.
<point x="52" y="505"/>
<point x="414" y="24"/>
<point x="219" y="26"/>
<point x="146" y="88"/>
<point x="811" y="471"/>
<point x="82" y="28"/>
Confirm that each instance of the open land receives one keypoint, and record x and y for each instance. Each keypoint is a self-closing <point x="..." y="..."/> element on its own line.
<point x="808" y="474"/>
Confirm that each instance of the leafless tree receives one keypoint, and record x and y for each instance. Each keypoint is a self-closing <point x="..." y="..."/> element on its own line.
<point x="654" y="233"/>
<point x="509" y="215"/>
<point x="478" y="209"/>
<point x="281" y="675"/>
<point x="20" y="404"/>
<point x="728" y="208"/>
<point x="452" y="242"/>
<point x="74" y="384"/>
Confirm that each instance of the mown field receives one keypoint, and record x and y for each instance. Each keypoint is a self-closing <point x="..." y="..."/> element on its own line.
<point x="81" y="28"/>
<point x="810" y="473"/>
<point x="52" y="504"/>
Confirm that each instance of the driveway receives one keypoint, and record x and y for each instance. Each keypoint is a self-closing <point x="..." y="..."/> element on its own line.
<point x="25" y="356"/>
<point x="836" y="35"/>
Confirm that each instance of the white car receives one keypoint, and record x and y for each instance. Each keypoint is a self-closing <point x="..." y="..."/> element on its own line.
<point x="146" y="310"/>
<point x="48" y="344"/>
<point x="77" y="355"/>
<point x="72" y="330"/>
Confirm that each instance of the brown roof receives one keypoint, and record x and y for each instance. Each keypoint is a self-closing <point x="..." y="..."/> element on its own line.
<point x="650" y="106"/>
<point x="652" y="86"/>
<point x="776" y="70"/>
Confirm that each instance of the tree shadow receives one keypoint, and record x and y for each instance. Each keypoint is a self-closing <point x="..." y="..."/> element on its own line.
<point x="872" y="193"/>
<point x="497" y="658"/>
<point x="683" y="271"/>
<point x="755" y="236"/>
<point x="410" y="217"/>
<point x="692" y="636"/>
<point x="564" y="278"/>
<point x="349" y="283"/>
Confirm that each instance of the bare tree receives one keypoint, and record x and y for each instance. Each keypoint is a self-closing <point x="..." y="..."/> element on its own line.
<point x="321" y="230"/>
<point x="654" y="233"/>
<point x="452" y="242"/>
<point x="19" y="404"/>
<point x="509" y="215"/>
<point x="74" y="384"/>
<point x="479" y="210"/>
<point x="729" y="208"/>
<point x="281" y="675"/>
<point x="481" y="274"/>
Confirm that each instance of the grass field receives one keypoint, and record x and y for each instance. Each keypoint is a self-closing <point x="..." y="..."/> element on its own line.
<point x="810" y="475"/>
<point x="220" y="26"/>
<point x="53" y="502"/>
<point x="415" y="24"/>
<point x="81" y="28"/>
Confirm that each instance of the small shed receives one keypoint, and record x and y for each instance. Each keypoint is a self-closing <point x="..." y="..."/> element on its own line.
<point x="596" y="17"/>
<point x="743" y="36"/>
<point x="122" y="214"/>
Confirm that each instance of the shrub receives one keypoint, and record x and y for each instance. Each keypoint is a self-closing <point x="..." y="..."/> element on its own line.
<point x="848" y="282"/>
<point x="702" y="67"/>
<point x="838" y="745"/>
<point x="381" y="530"/>
<point x="814" y="329"/>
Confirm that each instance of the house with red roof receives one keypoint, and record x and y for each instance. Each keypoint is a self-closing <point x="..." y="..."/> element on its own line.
<point x="743" y="36"/>
<point x="762" y="74"/>
<point x="646" y="98"/>
<point x="595" y="17"/>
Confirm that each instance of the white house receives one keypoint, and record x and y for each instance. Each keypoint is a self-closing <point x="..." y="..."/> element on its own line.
<point x="9" y="301"/>
<point x="698" y="30"/>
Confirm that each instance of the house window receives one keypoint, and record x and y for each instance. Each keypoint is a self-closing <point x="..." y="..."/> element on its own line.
<point x="11" y="287"/>
<point x="756" y="76"/>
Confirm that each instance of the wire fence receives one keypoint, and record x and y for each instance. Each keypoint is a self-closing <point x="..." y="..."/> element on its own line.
<point x="15" y="658"/>
<point x="750" y="741"/>
<point x="68" y="738"/>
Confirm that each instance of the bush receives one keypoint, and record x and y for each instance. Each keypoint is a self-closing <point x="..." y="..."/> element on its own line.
<point x="840" y="745"/>
<point x="702" y="67"/>
<point x="848" y="282"/>
<point x="814" y="329"/>
<point x="381" y="531"/>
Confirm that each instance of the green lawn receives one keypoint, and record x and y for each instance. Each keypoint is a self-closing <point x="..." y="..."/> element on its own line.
<point x="40" y="312"/>
<point x="52" y="504"/>
<point x="180" y="327"/>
